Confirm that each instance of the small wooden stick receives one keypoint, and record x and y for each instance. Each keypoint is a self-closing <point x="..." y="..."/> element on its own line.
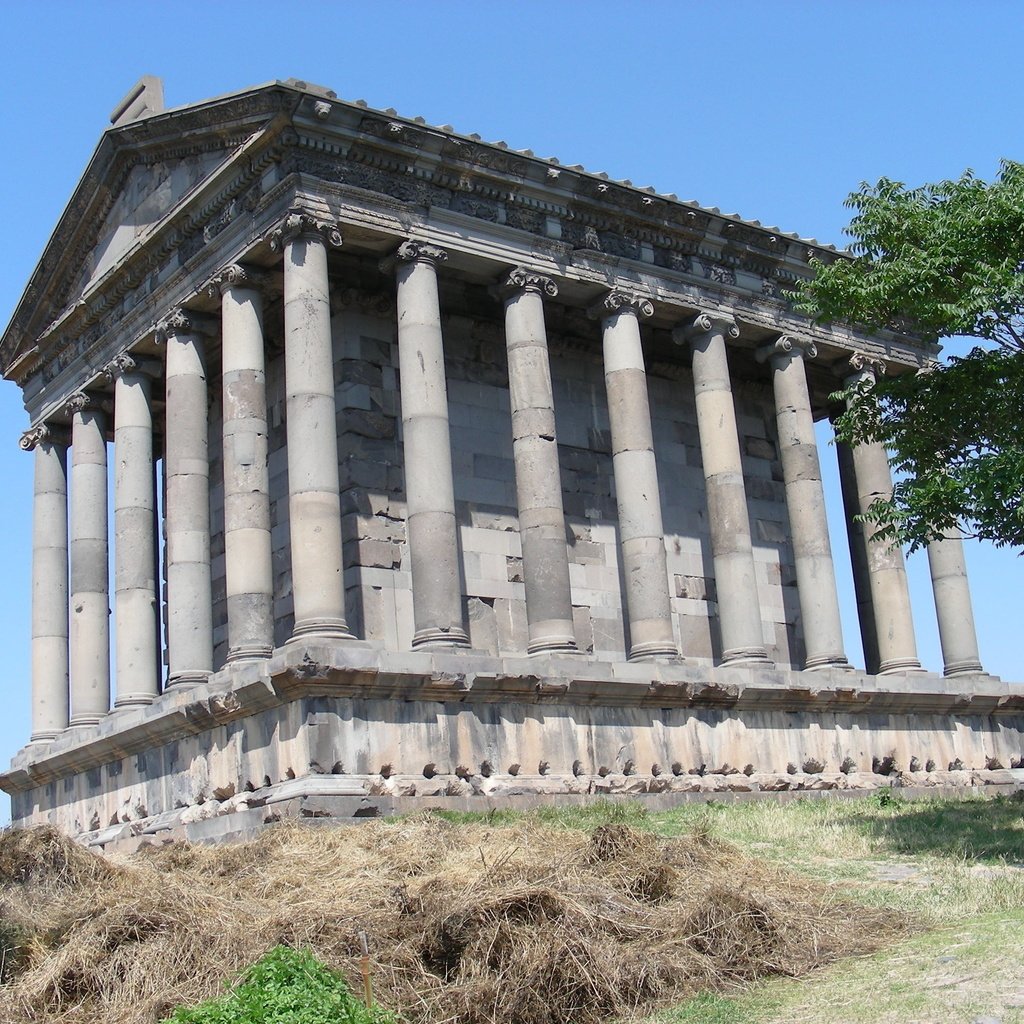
<point x="364" y="964"/>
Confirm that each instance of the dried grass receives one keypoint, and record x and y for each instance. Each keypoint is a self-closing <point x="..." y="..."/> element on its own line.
<point x="469" y="923"/>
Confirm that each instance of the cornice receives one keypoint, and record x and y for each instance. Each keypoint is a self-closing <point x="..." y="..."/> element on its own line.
<point x="410" y="167"/>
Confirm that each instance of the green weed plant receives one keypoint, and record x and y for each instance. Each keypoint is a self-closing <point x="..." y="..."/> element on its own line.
<point x="286" y="986"/>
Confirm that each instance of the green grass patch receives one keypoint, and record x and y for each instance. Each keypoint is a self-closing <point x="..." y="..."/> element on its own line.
<point x="286" y="986"/>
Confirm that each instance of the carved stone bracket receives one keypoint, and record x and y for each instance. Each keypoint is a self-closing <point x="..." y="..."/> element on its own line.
<point x="787" y="345"/>
<point x="299" y="223"/>
<point x="43" y="433"/>
<point x="619" y="299"/>
<point x="522" y="279"/>
<point x="706" y="323"/>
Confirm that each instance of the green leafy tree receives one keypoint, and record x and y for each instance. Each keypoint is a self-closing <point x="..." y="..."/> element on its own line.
<point x="942" y="260"/>
<point x="286" y="986"/>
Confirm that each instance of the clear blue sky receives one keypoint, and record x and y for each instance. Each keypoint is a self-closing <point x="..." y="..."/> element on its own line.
<point x="774" y="110"/>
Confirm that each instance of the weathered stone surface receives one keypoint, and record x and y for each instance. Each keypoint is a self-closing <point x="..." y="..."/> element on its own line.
<point x="410" y="453"/>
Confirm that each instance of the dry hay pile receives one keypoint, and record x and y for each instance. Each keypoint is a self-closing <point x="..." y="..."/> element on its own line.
<point x="468" y="923"/>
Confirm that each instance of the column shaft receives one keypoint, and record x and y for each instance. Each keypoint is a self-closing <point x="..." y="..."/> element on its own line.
<point x="637" y="493"/>
<point x="90" y="595"/>
<point x="805" y="503"/>
<point x="135" y="572"/>
<point x="538" y="479"/>
<point x="886" y="571"/>
<point x="739" y="610"/>
<point x="247" y="551"/>
<point x="49" y="584"/>
<point x="314" y="504"/>
<point x="957" y="635"/>
<point x="429" y="485"/>
<point x="858" y="558"/>
<point x="187" y="511"/>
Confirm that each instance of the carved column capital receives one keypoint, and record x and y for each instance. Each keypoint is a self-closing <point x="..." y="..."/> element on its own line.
<point x="177" y="321"/>
<point x="862" y="367"/>
<point x="618" y="300"/>
<point x="303" y="224"/>
<point x="84" y="401"/>
<point x="787" y="345"/>
<point x="706" y="323"/>
<point x="129" y="362"/>
<point x="234" y="275"/>
<point x="521" y="279"/>
<point x="414" y="251"/>
<point x="43" y="433"/>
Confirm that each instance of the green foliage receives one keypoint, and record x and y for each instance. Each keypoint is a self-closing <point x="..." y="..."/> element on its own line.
<point x="286" y="986"/>
<point x="940" y="260"/>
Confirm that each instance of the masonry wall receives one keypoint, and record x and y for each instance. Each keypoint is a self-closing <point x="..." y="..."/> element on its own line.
<point x="376" y="559"/>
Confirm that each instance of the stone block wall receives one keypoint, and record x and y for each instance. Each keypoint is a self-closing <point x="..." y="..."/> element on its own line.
<point x="376" y="559"/>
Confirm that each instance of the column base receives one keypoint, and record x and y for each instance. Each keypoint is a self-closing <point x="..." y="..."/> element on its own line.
<point x="134" y="700"/>
<point x="434" y="637"/>
<point x="894" y="665"/>
<point x="747" y="656"/>
<point x="653" y="649"/>
<point x="85" y="721"/>
<point x="43" y="737"/>
<point x="825" y="661"/>
<point x="553" y="645"/>
<point x="189" y="678"/>
<point x="249" y="652"/>
<point x="963" y="668"/>
<point x="320" y="629"/>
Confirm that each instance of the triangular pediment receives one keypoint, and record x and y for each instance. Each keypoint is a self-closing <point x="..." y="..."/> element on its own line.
<point x="140" y="174"/>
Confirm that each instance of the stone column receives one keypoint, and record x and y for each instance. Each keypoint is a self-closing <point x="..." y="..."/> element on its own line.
<point x="858" y="556"/>
<point x="637" y="494"/>
<point x="805" y="502"/>
<point x="535" y="451"/>
<point x="739" y="611"/>
<point x="248" y="567"/>
<point x="49" y="582"/>
<point x="886" y="572"/>
<point x="187" y="502"/>
<point x="314" y="503"/>
<point x="90" y="593"/>
<point x="429" y="486"/>
<point x="957" y="635"/>
<point x="135" y="572"/>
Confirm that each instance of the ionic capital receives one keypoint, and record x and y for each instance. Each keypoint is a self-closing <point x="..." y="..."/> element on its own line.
<point x="303" y="224"/>
<point x="43" y="433"/>
<point x="787" y="345"/>
<point x="234" y="275"/>
<point x="128" y="362"/>
<point x="178" y="321"/>
<point x="523" y="280"/>
<point x="414" y="251"/>
<point x="862" y="367"/>
<point x="704" y="324"/>
<point x="619" y="300"/>
<point x="84" y="401"/>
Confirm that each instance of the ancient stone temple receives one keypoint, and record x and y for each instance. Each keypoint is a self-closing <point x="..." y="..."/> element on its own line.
<point x="444" y="474"/>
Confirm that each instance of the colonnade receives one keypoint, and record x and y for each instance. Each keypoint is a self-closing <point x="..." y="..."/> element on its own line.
<point x="70" y="634"/>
